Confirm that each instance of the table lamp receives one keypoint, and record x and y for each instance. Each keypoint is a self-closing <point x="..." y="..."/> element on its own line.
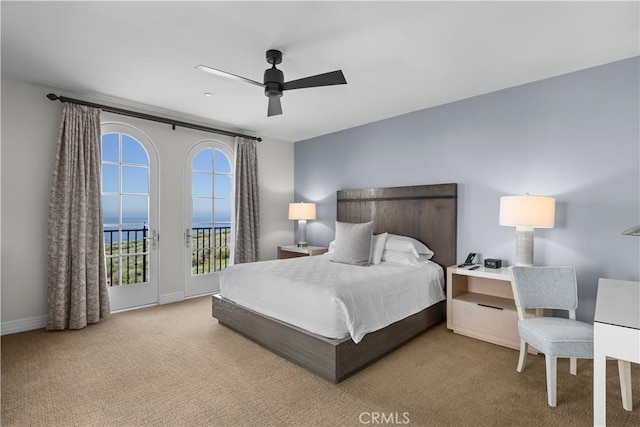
<point x="526" y="213"/>
<point x="302" y="212"/>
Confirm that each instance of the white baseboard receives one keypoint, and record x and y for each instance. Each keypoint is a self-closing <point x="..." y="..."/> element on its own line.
<point x="39" y="322"/>
<point x="22" y="325"/>
<point x="173" y="297"/>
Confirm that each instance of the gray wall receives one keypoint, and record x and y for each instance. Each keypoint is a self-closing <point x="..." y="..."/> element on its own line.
<point x="29" y="135"/>
<point x="574" y="137"/>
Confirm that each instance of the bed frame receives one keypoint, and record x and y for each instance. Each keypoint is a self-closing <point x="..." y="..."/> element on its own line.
<point x="425" y="212"/>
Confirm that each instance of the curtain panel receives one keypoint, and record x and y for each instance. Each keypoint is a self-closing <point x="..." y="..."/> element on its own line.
<point x="247" y="203"/>
<point x="77" y="287"/>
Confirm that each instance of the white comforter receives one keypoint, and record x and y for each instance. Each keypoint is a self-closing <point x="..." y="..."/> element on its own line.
<point x="332" y="299"/>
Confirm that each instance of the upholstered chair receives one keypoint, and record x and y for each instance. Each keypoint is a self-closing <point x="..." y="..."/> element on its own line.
<point x="552" y="288"/>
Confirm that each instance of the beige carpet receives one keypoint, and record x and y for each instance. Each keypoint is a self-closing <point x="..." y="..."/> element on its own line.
<point x="173" y="365"/>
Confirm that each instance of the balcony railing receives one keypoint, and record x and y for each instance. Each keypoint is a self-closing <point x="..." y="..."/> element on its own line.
<point x="129" y="251"/>
<point x="210" y="249"/>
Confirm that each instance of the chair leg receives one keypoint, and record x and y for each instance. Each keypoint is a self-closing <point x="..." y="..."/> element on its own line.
<point x="624" y="371"/>
<point x="524" y="348"/>
<point x="573" y="366"/>
<point x="552" y="364"/>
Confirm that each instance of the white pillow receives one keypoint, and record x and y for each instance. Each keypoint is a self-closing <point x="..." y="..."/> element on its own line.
<point x="353" y="243"/>
<point x="407" y="258"/>
<point x="377" y="247"/>
<point x="407" y="244"/>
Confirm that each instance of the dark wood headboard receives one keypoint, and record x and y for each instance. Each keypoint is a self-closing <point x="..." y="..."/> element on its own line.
<point x="425" y="212"/>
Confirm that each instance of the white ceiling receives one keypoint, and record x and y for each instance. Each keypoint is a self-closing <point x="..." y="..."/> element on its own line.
<point x="397" y="57"/>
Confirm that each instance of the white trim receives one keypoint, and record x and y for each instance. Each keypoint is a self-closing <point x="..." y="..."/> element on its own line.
<point x="202" y="295"/>
<point x="172" y="297"/>
<point x="207" y="283"/>
<point x="120" y="297"/>
<point x="22" y="325"/>
<point x="131" y="308"/>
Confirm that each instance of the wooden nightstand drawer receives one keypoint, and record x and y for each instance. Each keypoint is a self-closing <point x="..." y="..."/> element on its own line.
<point x="491" y="318"/>
<point x="480" y="305"/>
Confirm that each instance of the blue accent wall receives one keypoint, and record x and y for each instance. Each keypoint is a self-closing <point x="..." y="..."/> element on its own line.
<point x="574" y="137"/>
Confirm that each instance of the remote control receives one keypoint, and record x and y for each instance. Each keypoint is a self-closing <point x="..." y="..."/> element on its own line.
<point x="474" y="267"/>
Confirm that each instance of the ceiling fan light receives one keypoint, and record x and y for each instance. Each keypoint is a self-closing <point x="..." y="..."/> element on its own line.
<point x="272" y="90"/>
<point x="274" y="84"/>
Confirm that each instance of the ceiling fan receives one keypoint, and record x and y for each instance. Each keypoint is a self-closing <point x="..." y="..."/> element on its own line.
<point x="274" y="83"/>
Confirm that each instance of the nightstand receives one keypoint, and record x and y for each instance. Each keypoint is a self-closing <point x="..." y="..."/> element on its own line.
<point x="480" y="305"/>
<point x="293" y="251"/>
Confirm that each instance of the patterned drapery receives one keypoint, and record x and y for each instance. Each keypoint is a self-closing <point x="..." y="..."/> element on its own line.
<point x="77" y="287"/>
<point x="247" y="203"/>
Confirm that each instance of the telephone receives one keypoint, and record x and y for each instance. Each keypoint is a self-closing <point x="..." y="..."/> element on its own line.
<point x="469" y="260"/>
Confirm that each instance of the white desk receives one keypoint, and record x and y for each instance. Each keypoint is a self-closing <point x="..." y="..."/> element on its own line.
<point x="616" y="334"/>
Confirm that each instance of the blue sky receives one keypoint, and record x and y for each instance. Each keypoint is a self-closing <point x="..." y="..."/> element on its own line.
<point x="205" y="184"/>
<point x="135" y="182"/>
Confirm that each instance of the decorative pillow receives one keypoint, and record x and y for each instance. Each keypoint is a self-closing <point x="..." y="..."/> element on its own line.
<point x="377" y="247"/>
<point x="353" y="243"/>
<point x="332" y="247"/>
<point x="407" y="258"/>
<point x="407" y="244"/>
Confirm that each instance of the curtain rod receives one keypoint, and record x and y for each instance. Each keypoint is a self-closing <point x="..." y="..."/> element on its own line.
<point x="173" y="123"/>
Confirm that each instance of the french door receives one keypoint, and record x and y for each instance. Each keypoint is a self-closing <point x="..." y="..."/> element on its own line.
<point x="130" y="216"/>
<point x="208" y="227"/>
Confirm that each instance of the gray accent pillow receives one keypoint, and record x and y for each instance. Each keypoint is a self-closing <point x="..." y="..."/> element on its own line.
<point x="377" y="247"/>
<point x="353" y="243"/>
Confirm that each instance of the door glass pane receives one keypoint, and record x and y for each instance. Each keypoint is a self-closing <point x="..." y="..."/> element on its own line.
<point x="110" y="178"/>
<point x="135" y="269"/>
<point x="133" y="151"/>
<point x="222" y="164"/>
<point x="202" y="185"/>
<point x="202" y="211"/>
<point x="201" y="261"/>
<point x="125" y="204"/>
<point x="110" y="147"/>
<point x="113" y="272"/>
<point x="211" y="193"/>
<point x="111" y="239"/>
<point x="111" y="209"/>
<point x="135" y="209"/>
<point x="203" y="161"/>
<point x="135" y="179"/>
<point x="222" y="210"/>
<point x="221" y="259"/>
<point x="222" y="185"/>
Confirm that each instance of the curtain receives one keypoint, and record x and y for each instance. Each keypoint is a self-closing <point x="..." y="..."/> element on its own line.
<point x="77" y="287"/>
<point x="247" y="202"/>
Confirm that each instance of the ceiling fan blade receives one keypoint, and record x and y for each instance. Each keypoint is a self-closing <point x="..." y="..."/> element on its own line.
<point x="326" y="79"/>
<point x="227" y="75"/>
<point x="275" y="108"/>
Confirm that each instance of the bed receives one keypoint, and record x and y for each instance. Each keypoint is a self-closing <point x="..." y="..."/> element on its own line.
<point x="425" y="212"/>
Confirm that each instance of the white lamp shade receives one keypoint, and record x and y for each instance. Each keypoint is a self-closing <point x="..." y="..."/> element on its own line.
<point x="302" y="210"/>
<point x="528" y="211"/>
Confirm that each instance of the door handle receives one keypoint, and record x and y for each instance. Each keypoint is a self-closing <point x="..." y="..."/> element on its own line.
<point x="187" y="237"/>
<point x="154" y="239"/>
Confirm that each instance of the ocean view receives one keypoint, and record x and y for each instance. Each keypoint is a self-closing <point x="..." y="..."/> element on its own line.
<point x="133" y="228"/>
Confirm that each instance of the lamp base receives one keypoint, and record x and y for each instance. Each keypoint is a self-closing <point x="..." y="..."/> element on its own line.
<point x="524" y="246"/>
<point x="302" y="233"/>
